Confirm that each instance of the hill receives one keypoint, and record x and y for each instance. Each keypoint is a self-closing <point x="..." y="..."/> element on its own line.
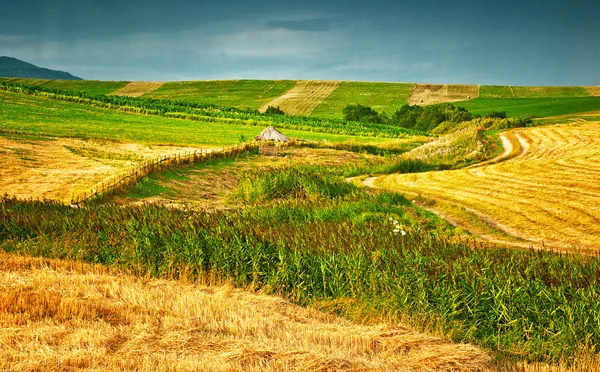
<point x="12" y="67"/>
<point x="306" y="98"/>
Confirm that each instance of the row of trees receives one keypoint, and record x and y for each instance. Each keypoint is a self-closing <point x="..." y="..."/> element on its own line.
<point x="422" y="118"/>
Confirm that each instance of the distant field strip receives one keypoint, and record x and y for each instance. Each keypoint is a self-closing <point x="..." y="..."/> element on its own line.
<point x="497" y="91"/>
<point x="303" y="97"/>
<point x="382" y="97"/>
<point x="428" y="94"/>
<point x="593" y="91"/>
<point x="88" y="86"/>
<point x="549" y="192"/>
<point x="137" y="89"/>
<point x="232" y="93"/>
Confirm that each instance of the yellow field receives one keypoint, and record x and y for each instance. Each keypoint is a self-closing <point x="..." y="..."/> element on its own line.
<point x="428" y="94"/>
<point x="58" y="168"/>
<point x="547" y="192"/>
<point x="137" y="89"/>
<point x="303" y="97"/>
<point x="593" y="91"/>
<point x="64" y="315"/>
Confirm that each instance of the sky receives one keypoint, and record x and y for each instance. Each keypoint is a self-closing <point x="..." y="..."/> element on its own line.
<point x="509" y="42"/>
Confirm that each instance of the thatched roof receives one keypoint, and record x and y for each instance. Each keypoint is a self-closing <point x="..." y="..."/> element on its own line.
<point x="271" y="134"/>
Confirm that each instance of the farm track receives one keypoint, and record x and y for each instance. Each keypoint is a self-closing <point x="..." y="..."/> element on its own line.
<point x="303" y="97"/>
<point x="543" y="189"/>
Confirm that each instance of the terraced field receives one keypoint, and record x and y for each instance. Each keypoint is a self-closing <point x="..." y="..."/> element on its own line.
<point x="303" y="97"/>
<point x="428" y="94"/>
<point x="383" y="97"/>
<point x="548" y="194"/>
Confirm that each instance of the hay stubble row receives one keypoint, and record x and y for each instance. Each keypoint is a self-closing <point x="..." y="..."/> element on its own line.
<point x="303" y="97"/>
<point x="548" y="194"/>
<point x="65" y="315"/>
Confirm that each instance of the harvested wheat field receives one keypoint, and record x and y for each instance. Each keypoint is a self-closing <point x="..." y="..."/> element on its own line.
<point x="429" y="94"/>
<point x="137" y="89"/>
<point x="546" y="194"/>
<point x="58" y="168"/>
<point x="593" y="91"/>
<point x="303" y="97"/>
<point x="65" y="315"/>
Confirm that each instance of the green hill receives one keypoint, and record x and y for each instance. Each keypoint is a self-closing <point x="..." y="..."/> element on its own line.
<point x="517" y="101"/>
<point x="12" y="67"/>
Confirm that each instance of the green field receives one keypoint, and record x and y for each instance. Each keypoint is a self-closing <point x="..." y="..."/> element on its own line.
<point x="87" y="86"/>
<point x="383" y="97"/>
<point x="532" y="107"/>
<point x="496" y="91"/>
<point x="40" y="115"/>
<point x="232" y="93"/>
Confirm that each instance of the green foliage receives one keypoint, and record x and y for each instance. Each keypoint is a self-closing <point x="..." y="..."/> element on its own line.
<point x="361" y="113"/>
<point x="538" y="306"/>
<point x="295" y="182"/>
<point x="496" y="115"/>
<point x="274" y="111"/>
<point x="425" y="118"/>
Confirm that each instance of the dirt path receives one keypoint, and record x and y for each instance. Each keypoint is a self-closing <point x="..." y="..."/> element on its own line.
<point x="303" y="97"/>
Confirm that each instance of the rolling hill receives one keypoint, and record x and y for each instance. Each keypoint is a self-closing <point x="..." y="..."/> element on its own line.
<point x="12" y="67"/>
<point x="324" y="99"/>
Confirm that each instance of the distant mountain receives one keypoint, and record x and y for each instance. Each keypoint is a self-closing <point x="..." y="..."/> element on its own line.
<point x="12" y="67"/>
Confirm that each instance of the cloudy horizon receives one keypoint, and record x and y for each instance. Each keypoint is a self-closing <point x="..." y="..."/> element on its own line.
<point x="463" y="42"/>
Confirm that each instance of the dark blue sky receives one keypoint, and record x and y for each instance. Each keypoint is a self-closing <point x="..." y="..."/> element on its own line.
<point x="528" y="42"/>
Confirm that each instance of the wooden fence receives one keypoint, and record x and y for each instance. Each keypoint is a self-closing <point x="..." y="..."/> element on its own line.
<point x="133" y="175"/>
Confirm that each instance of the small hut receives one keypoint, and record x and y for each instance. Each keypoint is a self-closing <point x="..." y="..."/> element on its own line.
<point x="270" y="141"/>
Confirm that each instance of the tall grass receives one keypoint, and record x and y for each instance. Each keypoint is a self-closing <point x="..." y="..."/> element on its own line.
<point x="332" y="249"/>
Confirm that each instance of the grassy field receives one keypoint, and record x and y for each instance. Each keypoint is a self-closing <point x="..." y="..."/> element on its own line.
<point x="303" y="97"/>
<point x="495" y="91"/>
<point x="39" y="115"/>
<point x="235" y="93"/>
<point x="56" y="149"/>
<point x="532" y="107"/>
<point x="88" y="86"/>
<point x="546" y="196"/>
<point x="81" y="316"/>
<point x="383" y="97"/>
